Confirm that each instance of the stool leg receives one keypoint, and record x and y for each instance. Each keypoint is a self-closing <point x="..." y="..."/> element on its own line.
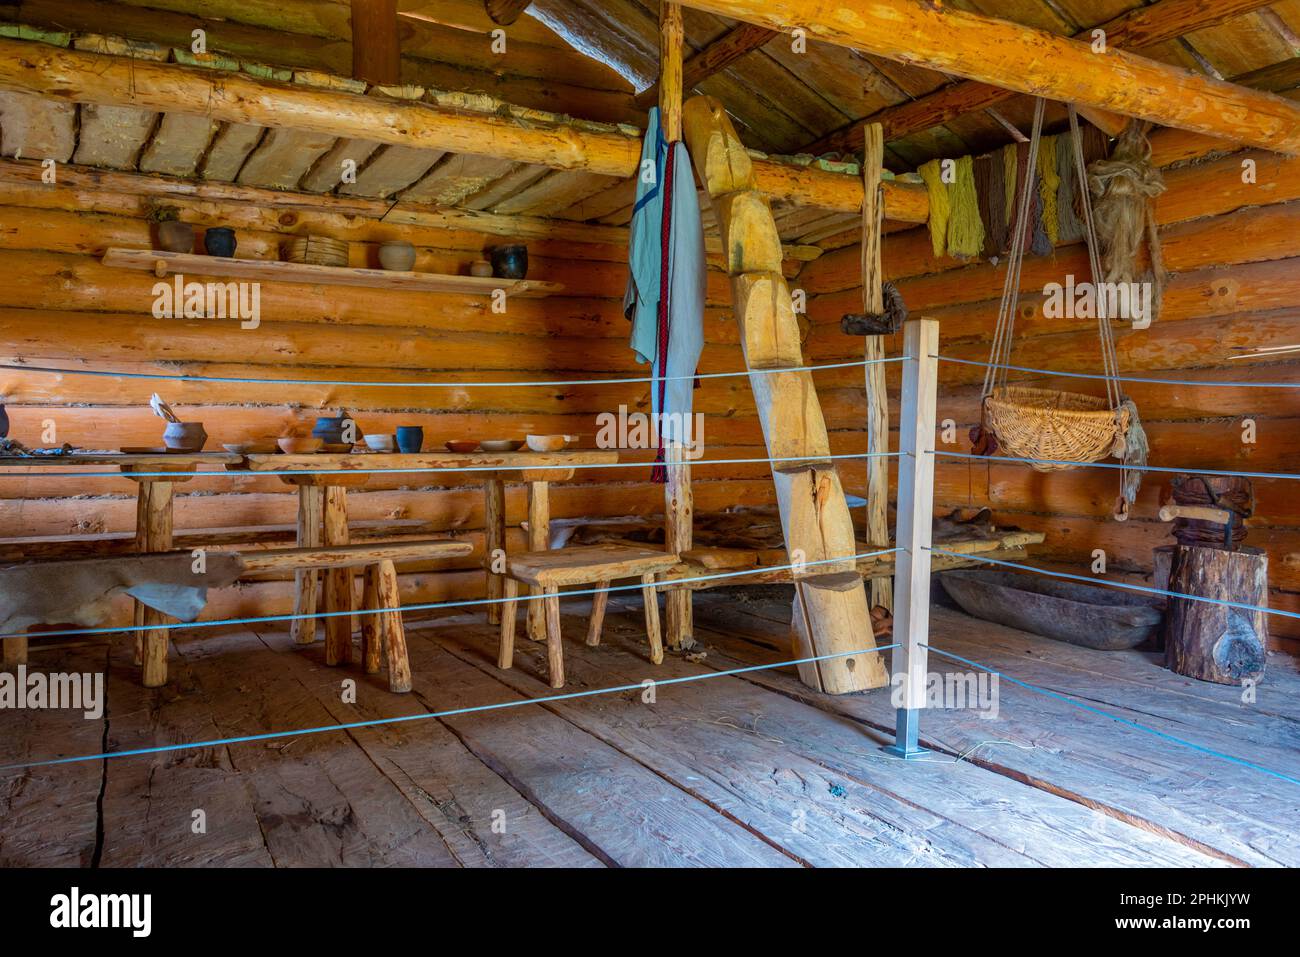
<point x="372" y="626"/>
<point x="651" y="598"/>
<point x="509" y="613"/>
<point x="598" y="603"/>
<point x="399" y="665"/>
<point x="15" y="651"/>
<point x="554" y="651"/>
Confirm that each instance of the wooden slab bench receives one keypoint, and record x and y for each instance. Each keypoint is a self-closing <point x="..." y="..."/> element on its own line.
<point x="382" y="632"/>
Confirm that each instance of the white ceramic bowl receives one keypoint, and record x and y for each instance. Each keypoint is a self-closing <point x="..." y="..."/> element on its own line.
<point x="381" y="443"/>
<point x="550" y="443"/>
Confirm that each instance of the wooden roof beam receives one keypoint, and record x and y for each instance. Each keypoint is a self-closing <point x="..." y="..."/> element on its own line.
<point x="714" y="58"/>
<point x="1136" y="29"/>
<point x="82" y="77"/>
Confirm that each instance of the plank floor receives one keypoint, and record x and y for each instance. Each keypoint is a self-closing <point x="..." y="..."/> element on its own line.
<point x="749" y="770"/>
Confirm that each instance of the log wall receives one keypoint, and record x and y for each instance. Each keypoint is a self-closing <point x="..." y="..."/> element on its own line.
<point x="60" y="307"/>
<point x="1234" y="251"/>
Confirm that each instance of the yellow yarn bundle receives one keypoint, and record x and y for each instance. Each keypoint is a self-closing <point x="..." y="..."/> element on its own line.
<point x="932" y="173"/>
<point x="1049" y="181"/>
<point x="965" y="227"/>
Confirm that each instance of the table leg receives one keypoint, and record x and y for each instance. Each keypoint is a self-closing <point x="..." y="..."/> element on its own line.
<point x="494" y="534"/>
<point x="311" y="499"/>
<point x="153" y="533"/>
<point x="338" y="581"/>
<point x="539" y="536"/>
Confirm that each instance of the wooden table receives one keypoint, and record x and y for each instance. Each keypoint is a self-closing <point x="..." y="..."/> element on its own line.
<point x="153" y="530"/>
<point x="322" y="518"/>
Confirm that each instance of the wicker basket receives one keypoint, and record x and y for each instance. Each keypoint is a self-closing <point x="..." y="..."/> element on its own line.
<point x="316" y="251"/>
<point x="1046" y="424"/>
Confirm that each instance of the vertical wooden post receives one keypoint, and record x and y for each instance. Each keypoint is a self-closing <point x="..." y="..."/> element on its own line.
<point x="338" y="581"/>
<point x="311" y="500"/>
<point x="494" y="538"/>
<point x="915" y="524"/>
<point x="153" y="533"/>
<point x="873" y="303"/>
<point x="679" y="504"/>
<point x="539" y="539"/>
<point x="376" y="49"/>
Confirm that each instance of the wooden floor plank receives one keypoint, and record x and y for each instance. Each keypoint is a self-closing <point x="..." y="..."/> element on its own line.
<point x="703" y="739"/>
<point x="49" y="816"/>
<point x="319" y="799"/>
<point x="1236" y="813"/>
<point x="619" y="811"/>
<point x="450" y="788"/>
<point x="960" y="809"/>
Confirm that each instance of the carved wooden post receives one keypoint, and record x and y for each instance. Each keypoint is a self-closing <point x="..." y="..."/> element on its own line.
<point x="679" y="505"/>
<point x="915" y="524"/>
<point x="873" y="304"/>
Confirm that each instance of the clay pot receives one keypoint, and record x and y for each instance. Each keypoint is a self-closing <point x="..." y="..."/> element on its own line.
<point x="297" y="445"/>
<point x="410" y="438"/>
<point x="509" y="262"/>
<point x="219" y="241"/>
<point x="481" y="268"/>
<point x="185" y="436"/>
<point x="397" y="256"/>
<point x="176" y="237"/>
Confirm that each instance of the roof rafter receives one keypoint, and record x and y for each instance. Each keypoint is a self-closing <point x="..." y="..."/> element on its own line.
<point x="715" y="57"/>
<point x="1140" y="27"/>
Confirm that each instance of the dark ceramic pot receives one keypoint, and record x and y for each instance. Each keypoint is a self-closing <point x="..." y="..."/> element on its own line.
<point x="410" y="438"/>
<point x="509" y="262"/>
<point x="219" y="241"/>
<point x="176" y="237"/>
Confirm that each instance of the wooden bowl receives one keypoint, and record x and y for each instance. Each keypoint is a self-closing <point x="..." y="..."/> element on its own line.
<point x="298" y="445"/>
<point x="251" y="447"/>
<point x="501" y="445"/>
<point x="462" y="445"/>
<point x="550" y="443"/>
<point x="381" y="443"/>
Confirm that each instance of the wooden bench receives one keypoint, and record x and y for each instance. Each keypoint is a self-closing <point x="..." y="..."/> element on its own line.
<point x="599" y="564"/>
<point x="382" y="633"/>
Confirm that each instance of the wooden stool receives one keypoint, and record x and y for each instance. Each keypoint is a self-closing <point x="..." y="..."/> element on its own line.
<point x="599" y="564"/>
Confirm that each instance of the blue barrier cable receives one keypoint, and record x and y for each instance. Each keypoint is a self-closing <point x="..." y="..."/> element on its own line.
<point x="1114" y="584"/>
<point x="1114" y="465"/>
<point x="1121" y="378"/>
<point x="1114" y="717"/>
<point x="376" y="722"/>
<point x="45" y="461"/>
<point x="440" y="385"/>
<point x="431" y="606"/>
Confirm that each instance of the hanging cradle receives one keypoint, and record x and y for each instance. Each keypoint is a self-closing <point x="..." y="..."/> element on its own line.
<point x="1054" y="430"/>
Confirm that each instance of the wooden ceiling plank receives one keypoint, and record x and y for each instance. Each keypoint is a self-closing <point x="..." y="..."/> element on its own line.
<point x="283" y="157"/>
<point x="230" y="148"/>
<point x="327" y="172"/>
<point x="455" y="178"/>
<point x="389" y="170"/>
<point x="178" y="144"/>
<point x="1136" y="29"/>
<point x="37" y="128"/>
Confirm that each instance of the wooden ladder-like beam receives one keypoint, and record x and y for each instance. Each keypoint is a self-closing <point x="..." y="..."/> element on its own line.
<point x="830" y="614"/>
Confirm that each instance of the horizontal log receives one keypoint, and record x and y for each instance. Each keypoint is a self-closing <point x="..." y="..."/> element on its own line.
<point x="1033" y="61"/>
<point x="237" y="98"/>
<point x="349" y="556"/>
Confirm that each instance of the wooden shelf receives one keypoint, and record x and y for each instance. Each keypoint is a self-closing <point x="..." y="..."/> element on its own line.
<point x="161" y="263"/>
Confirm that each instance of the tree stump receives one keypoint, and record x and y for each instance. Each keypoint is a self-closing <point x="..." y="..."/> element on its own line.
<point x="1215" y="642"/>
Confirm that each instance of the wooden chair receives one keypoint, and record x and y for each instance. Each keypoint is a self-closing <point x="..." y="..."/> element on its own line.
<point x="598" y="564"/>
